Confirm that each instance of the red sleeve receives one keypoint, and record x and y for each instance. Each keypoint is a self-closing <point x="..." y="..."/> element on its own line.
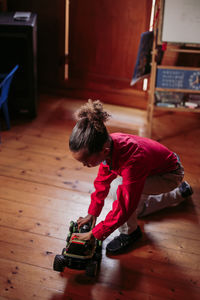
<point x="128" y="196"/>
<point x="102" y="187"/>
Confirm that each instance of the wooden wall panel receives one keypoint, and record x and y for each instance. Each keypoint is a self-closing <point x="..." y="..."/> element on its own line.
<point x="104" y="37"/>
<point x="103" y="44"/>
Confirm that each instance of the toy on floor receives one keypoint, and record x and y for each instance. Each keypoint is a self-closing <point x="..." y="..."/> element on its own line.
<point x="79" y="254"/>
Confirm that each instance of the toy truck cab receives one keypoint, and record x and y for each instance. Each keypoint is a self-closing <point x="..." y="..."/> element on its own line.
<point x="79" y="247"/>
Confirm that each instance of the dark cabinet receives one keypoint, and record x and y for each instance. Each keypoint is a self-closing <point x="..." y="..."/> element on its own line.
<point x="18" y="45"/>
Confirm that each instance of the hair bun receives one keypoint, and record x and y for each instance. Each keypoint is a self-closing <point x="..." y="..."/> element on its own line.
<point x="93" y="113"/>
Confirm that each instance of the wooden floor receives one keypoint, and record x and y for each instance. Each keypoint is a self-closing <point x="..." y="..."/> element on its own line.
<point x="42" y="188"/>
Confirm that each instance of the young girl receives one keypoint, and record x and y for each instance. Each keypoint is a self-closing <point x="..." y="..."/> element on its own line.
<point x="146" y="175"/>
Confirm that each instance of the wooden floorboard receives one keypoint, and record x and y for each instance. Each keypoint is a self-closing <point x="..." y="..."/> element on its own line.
<point x="42" y="188"/>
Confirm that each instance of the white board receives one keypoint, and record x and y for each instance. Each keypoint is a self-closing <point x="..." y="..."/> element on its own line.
<point x="181" y="21"/>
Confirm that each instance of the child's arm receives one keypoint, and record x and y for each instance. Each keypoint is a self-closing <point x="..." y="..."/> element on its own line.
<point x="128" y="196"/>
<point x="102" y="187"/>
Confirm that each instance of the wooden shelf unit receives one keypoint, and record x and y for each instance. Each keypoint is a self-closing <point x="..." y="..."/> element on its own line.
<point x="154" y="67"/>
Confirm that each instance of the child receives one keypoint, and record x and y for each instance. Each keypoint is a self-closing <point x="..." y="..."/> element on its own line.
<point x="149" y="176"/>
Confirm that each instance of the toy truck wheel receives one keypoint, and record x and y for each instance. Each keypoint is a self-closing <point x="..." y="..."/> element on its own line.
<point x="59" y="263"/>
<point x="91" y="269"/>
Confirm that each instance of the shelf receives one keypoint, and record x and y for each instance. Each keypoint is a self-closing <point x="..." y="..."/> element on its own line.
<point x="178" y="68"/>
<point x="192" y="51"/>
<point x="183" y="109"/>
<point x="178" y="90"/>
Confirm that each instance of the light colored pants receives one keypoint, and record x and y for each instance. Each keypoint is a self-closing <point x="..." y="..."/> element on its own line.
<point x="160" y="191"/>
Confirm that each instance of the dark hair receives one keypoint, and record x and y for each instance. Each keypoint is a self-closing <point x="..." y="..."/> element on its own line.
<point x="89" y="132"/>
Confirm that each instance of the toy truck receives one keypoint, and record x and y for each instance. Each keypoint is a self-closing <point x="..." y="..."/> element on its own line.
<point x="79" y="254"/>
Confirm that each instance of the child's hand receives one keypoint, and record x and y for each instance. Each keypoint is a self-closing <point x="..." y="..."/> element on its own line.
<point x="89" y="218"/>
<point x="83" y="236"/>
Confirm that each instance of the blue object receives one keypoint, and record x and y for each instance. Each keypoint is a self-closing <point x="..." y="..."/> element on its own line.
<point x="178" y="79"/>
<point x="142" y="66"/>
<point x="4" y="91"/>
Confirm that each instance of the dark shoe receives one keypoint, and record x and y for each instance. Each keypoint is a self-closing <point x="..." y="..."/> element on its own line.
<point x="185" y="189"/>
<point x="123" y="241"/>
